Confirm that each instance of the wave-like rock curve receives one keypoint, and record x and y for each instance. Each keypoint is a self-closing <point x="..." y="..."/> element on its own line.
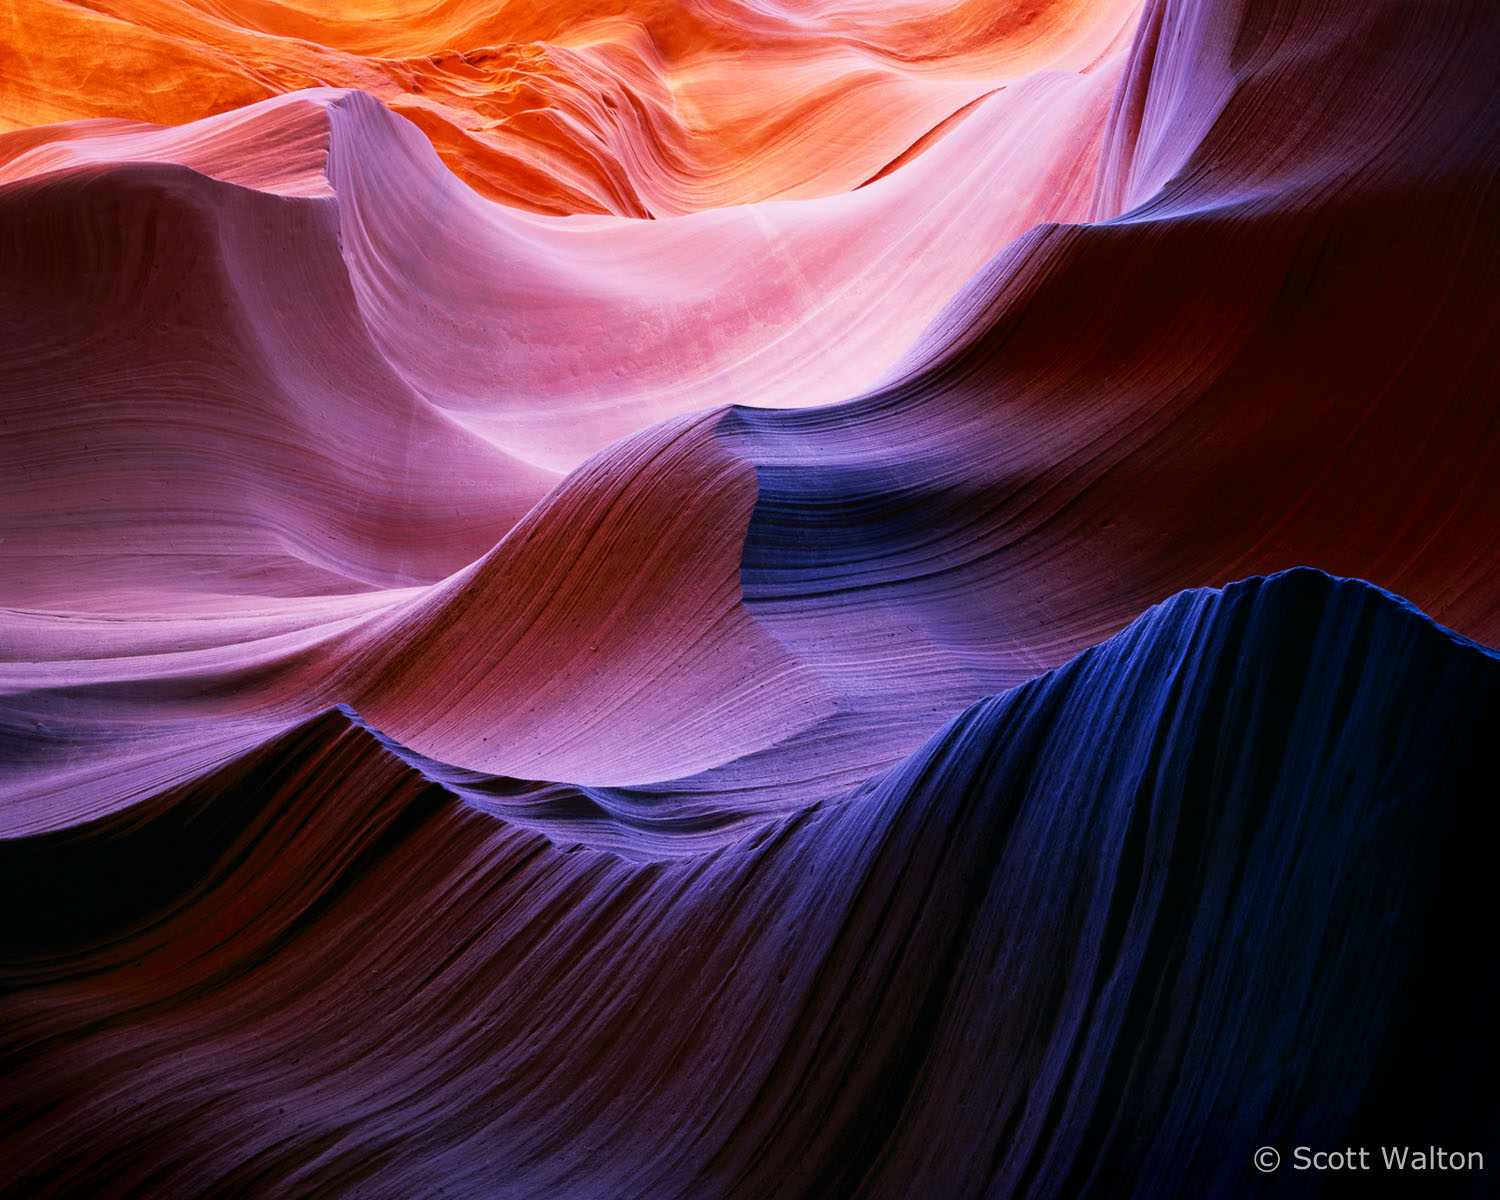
<point x="1102" y="935"/>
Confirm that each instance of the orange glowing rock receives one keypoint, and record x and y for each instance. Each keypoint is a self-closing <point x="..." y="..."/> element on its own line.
<point x="647" y="110"/>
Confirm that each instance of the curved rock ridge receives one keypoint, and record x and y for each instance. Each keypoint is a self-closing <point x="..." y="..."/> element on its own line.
<point x="284" y="390"/>
<point x="1278" y="353"/>
<point x="546" y="338"/>
<point x="602" y="641"/>
<point x="653" y="670"/>
<point x="651" y="108"/>
<point x="1102" y="935"/>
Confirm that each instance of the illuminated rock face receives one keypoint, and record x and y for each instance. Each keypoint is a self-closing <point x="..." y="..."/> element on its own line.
<point x="653" y="109"/>
<point x="501" y="702"/>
